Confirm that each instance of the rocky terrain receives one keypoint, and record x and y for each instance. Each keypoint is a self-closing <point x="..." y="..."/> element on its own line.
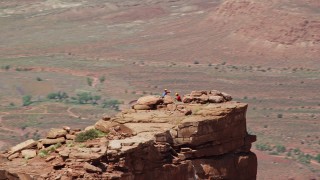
<point x="263" y="52"/>
<point x="204" y="138"/>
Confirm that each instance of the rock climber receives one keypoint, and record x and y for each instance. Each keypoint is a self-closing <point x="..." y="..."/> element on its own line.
<point x="178" y="97"/>
<point x="165" y="92"/>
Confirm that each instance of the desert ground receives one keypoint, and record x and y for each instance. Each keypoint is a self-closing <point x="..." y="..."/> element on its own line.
<point x="265" y="53"/>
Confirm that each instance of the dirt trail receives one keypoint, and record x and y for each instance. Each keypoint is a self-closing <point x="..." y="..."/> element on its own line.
<point x="71" y="113"/>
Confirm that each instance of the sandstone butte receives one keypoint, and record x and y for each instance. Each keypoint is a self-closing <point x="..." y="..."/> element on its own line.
<point x="203" y="137"/>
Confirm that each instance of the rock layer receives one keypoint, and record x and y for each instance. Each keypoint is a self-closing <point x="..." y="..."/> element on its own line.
<point x="196" y="140"/>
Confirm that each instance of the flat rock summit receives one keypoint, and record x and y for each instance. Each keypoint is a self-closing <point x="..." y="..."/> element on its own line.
<point x="202" y="137"/>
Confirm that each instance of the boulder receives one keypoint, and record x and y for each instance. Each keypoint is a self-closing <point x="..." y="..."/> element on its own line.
<point x="168" y="100"/>
<point x="142" y="107"/>
<point x="203" y="99"/>
<point x="171" y="107"/>
<point x="216" y="99"/>
<point x="149" y="100"/>
<point x="187" y="99"/>
<point x="29" y="153"/>
<point x="67" y="128"/>
<point x="226" y="96"/>
<point x="215" y="93"/>
<point x="56" y="133"/>
<point x="198" y="93"/>
<point x="106" y="117"/>
<point x="114" y="145"/>
<point x="52" y="141"/>
<point x="65" y="152"/>
<point x="70" y="137"/>
<point x="85" y="155"/>
<point x="104" y="126"/>
<point x="50" y="158"/>
<point x="14" y="155"/>
<point x="90" y="168"/>
<point x="24" y="145"/>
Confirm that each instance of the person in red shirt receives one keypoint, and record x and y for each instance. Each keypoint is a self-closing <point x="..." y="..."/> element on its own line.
<point x="178" y="98"/>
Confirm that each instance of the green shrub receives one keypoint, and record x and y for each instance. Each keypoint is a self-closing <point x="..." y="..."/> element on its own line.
<point x="280" y="149"/>
<point x="196" y="62"/>
<point x="274" y="153"/>
<point x="89" y="81"/>
<point x="289" y="154"/>
<point x="297" y="151"/>
<point x="279" y="115"/>
<point x="43" y="153"/>
<point x="26" y="100"/>
<point x="317" y="158"/>
<point x="52" y="148"/>
<point x="95" y="99"/>
<point x="6" y="67"/>
<point x="112" y="104"/>
<point x="39" y="79"/>
<point x="58" y="95"/>
<point x="84" y="97"/>
<point x="102" y="79"/>
<point x="263" y="147"/>
<point x="90" y="134"/>
<point x="305" y="159"/>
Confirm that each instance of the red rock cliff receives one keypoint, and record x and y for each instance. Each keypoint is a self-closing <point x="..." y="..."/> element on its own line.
<point x="204" y="138"/>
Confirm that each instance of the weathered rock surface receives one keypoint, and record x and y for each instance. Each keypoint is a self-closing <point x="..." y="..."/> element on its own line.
<point x="52" y="141"/>
<point x="104" y="126"/>
<point x="56" y="133"/>
<point x="24" y="145"/>
<point x="29" y="153"/>
<point x="202" y="139"/>
<point x="149" y="100"/>
<point x="203" y="97"/>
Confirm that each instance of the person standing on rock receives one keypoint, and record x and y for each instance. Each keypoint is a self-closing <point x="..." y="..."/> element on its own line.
<point x="178" y="97"/>
<point x="165" y="92"/>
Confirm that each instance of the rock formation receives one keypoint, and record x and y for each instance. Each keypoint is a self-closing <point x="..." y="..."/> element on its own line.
<point x="203" y="138"/>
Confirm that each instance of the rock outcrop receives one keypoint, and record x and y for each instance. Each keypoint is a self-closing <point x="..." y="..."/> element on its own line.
<point x="205" y="138"/>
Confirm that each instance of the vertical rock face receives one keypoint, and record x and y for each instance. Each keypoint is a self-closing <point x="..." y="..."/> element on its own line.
<point x="174" y="141"/>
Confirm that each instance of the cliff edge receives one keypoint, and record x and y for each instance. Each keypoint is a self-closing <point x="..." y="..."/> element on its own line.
<point x="203" y="137"/>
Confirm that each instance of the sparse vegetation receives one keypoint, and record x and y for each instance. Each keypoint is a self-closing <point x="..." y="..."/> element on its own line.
<point x="280" y="148"/>
<point x="279" y="116"/>
<point x="88" y="135"/>
<point x="102" y="78"/>
<point x="89" y="81"/>
<point x="263" y="147"/>
<point x="52" y="148"/>
<point x="58" y="96"/>
<point x="26" y="100"/>
<point x="84" y="97"/>
<point x="6" y="67"/>
<point x="43" y="153"/>
<point x="111" y="104"/>
<point x="304" y="158"/>
<point x="39" y="79"/>
<point x="317" y="158"/>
